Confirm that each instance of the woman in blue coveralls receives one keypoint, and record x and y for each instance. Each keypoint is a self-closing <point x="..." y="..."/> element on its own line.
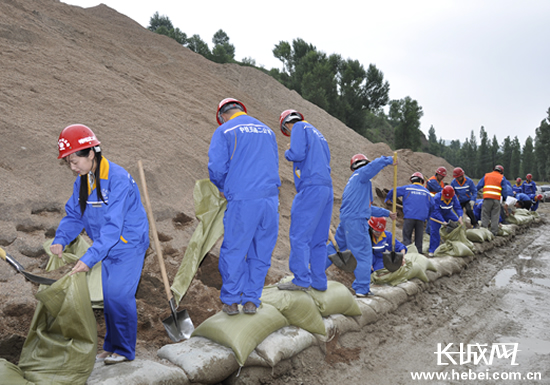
<point x="107" y="204"/>
<point x="382" y="242"/>
<point x="446" y="207"/>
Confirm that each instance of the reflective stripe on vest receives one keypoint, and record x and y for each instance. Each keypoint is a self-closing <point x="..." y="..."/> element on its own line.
<point x="492" y="188"/>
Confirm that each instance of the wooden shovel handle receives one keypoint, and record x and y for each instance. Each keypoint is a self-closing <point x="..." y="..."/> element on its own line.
<point x="331" y="238"/>
<point x="154" y="231"/>
<point x="394" y="200"/>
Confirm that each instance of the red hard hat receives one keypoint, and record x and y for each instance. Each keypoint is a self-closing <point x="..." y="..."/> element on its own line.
<point x="458" y="172"/>
<point x="529" y="176"/>
<point x="518" y="180"/>
<point x="357" y="161"/>
<point x="286" y="116"/>
<point x="74" y="138"/>
<point x="441" y="171"/>
<point x="499" y="168"/>
<point x="225" y="105"/>
<point x="377" y="223"/>
<point x="417" y="175"/>
<point x="448" y="192"/>
<point x="538" y="197"/>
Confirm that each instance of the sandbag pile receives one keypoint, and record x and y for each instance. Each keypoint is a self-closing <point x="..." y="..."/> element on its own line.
<point x="522" y="217"/>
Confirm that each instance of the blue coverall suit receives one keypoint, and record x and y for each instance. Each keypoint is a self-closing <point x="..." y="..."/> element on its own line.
<point x="244" y="165"/>
<point x="529" y="188"/>
<point x="417" y="202"/>
<point x="353" y="230"/>
<point x="466" y="192"/>
<point x="380" y="245"/>
<point x="434" y="187"/>
<point x="312" y="206"/>
<point x="442" y="211"/>
<point x="526" y="200"/>
<point x="119" y="230"/>
<point x="517" y="189"/>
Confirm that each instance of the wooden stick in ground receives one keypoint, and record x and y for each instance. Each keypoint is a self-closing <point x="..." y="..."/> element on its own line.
<point x="154" y="231"/>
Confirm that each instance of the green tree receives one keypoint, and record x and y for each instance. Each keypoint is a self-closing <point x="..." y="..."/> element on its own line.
<point x="542" y="148"/>
<point x="468" y="154"/>
<point x="163" y="26"/>
<point x="484" y="153"/>
<point x="515" y="160"/>
<point x="433" y="144"/>
<point x="223" y="51"/>
<point x="528" y="159"/>
<point x="196" y="44"/>
<point x="375" y="89"/>
<point x="506" y="155"/>
<point x="495" y="155"/>
<point x="406" y="113"/>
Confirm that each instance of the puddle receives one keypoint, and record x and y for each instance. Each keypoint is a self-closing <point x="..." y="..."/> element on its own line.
<point x="533" y="345"/>
<point x="542" y="281"/>
<point x="503" y="277"/>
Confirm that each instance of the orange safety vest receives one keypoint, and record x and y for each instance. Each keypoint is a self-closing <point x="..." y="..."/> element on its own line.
<point x="492" y="188"/>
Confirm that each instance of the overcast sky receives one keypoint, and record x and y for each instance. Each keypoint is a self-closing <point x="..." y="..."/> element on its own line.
<point x="468" y="63"/>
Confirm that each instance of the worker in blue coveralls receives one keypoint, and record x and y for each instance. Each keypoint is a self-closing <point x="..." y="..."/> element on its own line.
<point x="312" y="206"/>
<point x="356" y="208"/>
<point x="529" y="187"/>
<point x="417" y="202"/>
<point x="106" y="202"/>
<point x="517" y="188"/>
<point x="466" y="191"/>
<point x="445" y="205"/>
<point x="435" y="184"/>
<point x="524" y="201"/>
<point x="244" y="165"/>
<point x="538" y="198"/>
<point x="382" y="242"/>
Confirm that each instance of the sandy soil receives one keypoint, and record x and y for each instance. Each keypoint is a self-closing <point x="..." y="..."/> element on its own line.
<point x="148" y="98"/>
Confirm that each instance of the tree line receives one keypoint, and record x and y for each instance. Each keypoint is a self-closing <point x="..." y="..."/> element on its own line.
<point x="358" y="97"/>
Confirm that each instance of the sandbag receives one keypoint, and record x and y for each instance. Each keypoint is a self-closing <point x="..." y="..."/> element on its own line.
<point x="285" y="343"/>
<point x="72" y="253"/>
<point x="415" y="267"/>
<point x="242" y="332"/>
<point x="455" y="243"/>
<point x="209" y="210"/>
<point x="62" y="341"/>
<point x="11" y="374"/>
<point x="297" y="306"/>
<point x="337" y="299"/>
<point x="475" y="235"/>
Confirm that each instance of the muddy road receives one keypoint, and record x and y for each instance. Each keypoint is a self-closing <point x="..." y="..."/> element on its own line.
<point x="498" y="308"/>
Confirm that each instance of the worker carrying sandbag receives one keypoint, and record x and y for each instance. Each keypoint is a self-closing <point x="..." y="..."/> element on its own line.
<point x="107" y="203"/>
<point x="445" y="205"/>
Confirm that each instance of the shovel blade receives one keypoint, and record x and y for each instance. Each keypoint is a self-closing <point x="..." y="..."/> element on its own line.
<point x="392" y="260"/>
<point x="179" y="325"/>
<point x="344" y="260"/>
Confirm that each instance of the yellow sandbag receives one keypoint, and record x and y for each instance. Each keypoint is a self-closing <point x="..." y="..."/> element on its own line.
<point x="337" y="299"/>
<point x="11" y="374"/>
<point x="61" y="344"/>
<point x="297" y="306"/>
<point x="242" y="332"/>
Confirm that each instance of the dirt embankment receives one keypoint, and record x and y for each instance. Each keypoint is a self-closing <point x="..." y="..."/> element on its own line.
<point x="147" y="98"/>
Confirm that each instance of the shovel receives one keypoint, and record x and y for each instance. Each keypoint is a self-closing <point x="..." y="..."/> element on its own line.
<point x="343" y="260"/>
<point x="450" y="226"/>
<point x="31" y="277"/>
<point x="392" y="260"/>
<point x="179" y="325"/>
